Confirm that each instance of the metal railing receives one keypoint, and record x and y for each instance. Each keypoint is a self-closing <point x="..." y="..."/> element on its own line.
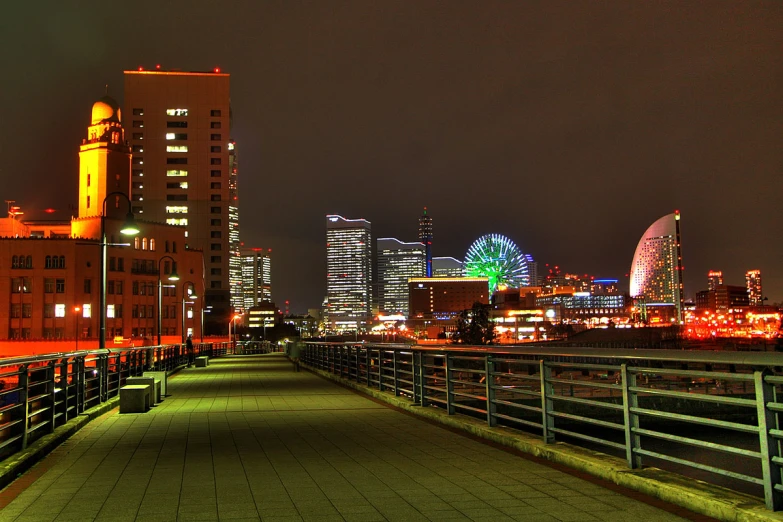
<point x="40" y="393"/>
<point x="642" y="404"/>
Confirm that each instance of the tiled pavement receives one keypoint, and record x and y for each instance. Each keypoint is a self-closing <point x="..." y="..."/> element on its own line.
<point x="249" y="439"/>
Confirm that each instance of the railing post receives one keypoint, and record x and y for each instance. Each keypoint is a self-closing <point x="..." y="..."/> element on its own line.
<point x="449" y="386"/>
<point x="422" y="380"/>
<point x="52" y="371"/>
<point x="547" y="405"/>
<point x="489" y="381"/>
<point x="768" y="445"/>
<point x="394" y="371"/>
<point x="630" y="419"/>
<point x="356" y="362"/>
<point x="81" y="384"/>
<point x="339" y="362"/>
<point x="24" y="391"/>
<point x="380" y="369"/>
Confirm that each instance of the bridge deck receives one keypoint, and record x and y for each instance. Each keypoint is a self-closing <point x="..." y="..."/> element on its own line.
<point x="249" y="439"/>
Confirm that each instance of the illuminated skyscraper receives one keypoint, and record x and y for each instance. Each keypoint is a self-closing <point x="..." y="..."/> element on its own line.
<point x="656" y="269"/>
<point x="348" y="272"/>
<point x="447" y="267"/>
<point x="753" y="284"/>
<point x="425" y="237"/>
<point x="179" y="124"/>
<point x="256" y="284"/>
<point x="714" y="279"/>
<point x="397" y="262"/>
<point x="235" y="276"/>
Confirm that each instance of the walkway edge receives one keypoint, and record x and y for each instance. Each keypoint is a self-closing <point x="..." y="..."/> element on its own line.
<point x="21" y="461"/>
<point x="694" y="495"/>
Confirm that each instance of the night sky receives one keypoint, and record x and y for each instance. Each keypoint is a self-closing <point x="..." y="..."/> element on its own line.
<point x="568" y="126"/>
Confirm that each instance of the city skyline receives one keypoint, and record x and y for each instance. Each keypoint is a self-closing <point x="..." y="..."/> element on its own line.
<point x="496" y="122"/>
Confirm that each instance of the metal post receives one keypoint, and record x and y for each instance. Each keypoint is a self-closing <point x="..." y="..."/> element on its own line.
<point x="102" y="293"/>
<point x="80" y="384"/>
<point x="489" y="370"/>
<point x="24" y="391"/>
<point x="51" y="374"/>
<point x="449" y="387"/>
<point x="630" y="419"/>
<point x="547" y="405"/>
<point x="160" y="304"/>
<point x="422" y="380"/>
<point x="396" y="376"/>
<point x="768" y="445"/>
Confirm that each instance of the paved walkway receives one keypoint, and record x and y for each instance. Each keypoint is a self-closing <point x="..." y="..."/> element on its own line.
<point x="249" y="439"/>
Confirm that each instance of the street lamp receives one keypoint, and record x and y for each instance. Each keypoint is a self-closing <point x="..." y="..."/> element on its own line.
<point x="129" y="228"/>
<point x="77" y="310"/>
<point x="172" y="277"/>
<point x="234" y="318"/>
<point x="184" y="296"/>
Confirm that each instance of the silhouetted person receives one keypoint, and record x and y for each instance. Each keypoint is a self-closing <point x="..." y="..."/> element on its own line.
<point x="190" y="350"/>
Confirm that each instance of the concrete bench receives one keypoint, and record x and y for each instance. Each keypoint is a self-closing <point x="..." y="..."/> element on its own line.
<point x="162" y="377"/>
<point x="135" y="398"/>
<point x="202" y="362"/>
<point x="152" y="382"/>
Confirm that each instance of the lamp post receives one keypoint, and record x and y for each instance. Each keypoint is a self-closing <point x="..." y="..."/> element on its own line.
<point x="129" y="228"/>
<point x="230" y="336"/>
<point x="172" y="277"/>
<point x="184" y="295"/>
<point x="77" y="310"/>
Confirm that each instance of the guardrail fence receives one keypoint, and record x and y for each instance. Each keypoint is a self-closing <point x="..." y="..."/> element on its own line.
<point x="643" y="404"/>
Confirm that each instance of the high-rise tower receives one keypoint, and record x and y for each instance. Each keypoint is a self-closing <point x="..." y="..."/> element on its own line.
<point x="181" y="170"/>
<point x="348" y="272"/>
<point x="256" y="268"/>
<point x="425" y="237"/>
<point x="714" y="279"/>
<point x="753" y="284"/>
<point x="397" y="262"/>
<point x="235" y="270"/>
<point x="104" y="161"/>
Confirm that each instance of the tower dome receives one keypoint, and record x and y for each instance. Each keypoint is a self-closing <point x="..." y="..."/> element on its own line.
<point x="104" y="110"/>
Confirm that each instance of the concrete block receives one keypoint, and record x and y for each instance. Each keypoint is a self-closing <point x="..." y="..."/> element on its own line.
<point x="162" y="377"/>
<point x="202" y="362"/>
<point x="152" y="382"/>
<point x="135" y="398"/>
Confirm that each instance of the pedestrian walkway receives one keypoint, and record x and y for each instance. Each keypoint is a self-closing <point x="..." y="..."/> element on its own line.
<point x="249" y="439"/>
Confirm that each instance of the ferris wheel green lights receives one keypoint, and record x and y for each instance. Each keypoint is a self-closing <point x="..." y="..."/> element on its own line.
<point x="497" y="258"/>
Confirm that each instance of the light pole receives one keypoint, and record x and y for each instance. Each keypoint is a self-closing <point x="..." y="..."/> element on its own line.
<point x="231" y="322"/>
<point x="184" y="295"/>
<point x="129" y="228"/>
<point x="172" y="277"/>
<point x="77" y="310"/>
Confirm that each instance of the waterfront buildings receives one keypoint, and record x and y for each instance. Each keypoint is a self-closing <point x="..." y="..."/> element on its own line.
<point x="753" y="285"/>
<point x="398" y="262"/>
<point x="425" y="237"/>
<point x="447" y="267"/>
<point x="256" y="277"/>
<point x="184" y="167"/>
<point x="656" y="272"/>
<point x="348" y="273"/>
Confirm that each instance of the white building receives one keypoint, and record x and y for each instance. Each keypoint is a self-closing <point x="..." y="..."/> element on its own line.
<point x="397" y="262"/>
<point x="348" y="272"/>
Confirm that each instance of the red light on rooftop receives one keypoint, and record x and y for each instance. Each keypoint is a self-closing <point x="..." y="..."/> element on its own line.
<point x="50" y="210"/>
<point x="216" y="69"/>
<point x="157" y="66"/>
<point x="141" y="68"/>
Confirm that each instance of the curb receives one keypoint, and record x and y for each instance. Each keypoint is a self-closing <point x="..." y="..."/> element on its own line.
<point x="21" y="461"/>
<point x="694" y="495"/>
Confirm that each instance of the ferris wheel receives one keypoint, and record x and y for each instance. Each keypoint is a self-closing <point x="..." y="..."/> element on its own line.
<point x="497" y="258"/>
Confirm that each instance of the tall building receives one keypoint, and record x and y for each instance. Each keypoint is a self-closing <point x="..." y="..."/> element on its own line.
<point x="181" y="168"/>
<point x="753" y="284"/>
<point x="235" y="274"/>
<point x="447" y="267"/>
<point x="656" y="269"/>
<point x="256" y="283"/>
<point x="425" y="237"/>
<point x="714" y="279"/>
<point x="348" y="272"/>
<point x="398" y="262"/>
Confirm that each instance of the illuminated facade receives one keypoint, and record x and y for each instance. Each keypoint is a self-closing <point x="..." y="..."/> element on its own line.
<point x="442" y="298"/>
<point x="425" y="237"/>
<point x="235" y="270"/>
<point x="497" y="258"/>
<point x="753" y="284"/>
<point x="348" y="272"/>
<point x="179" y="124"/>
<point x="256" y="281"/>
<point x="397" y="262"/>
<point x="656" y="270"/>
<point x="447" y="267"/>
<point x="714" y="279"/>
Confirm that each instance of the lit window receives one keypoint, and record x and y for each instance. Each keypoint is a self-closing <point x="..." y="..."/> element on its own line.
<point x="230" y="145"/>
<point x="183" y="185"/>
<point x="169" y="135"/>
<point x="176" y="112"/>
<point x="59" y="310"/>
<point x="110" y="311"/>
<point x="176" y="173"/>
<point x="176" y="148"/>
<point x="176" y="210"/>
<point x="87" y="310"/>
<point x="177" y="221"/>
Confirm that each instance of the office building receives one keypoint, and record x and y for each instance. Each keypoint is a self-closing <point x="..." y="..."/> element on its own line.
<point x="447" y="267"/>
<point x="425" y="237"/>
<point x="714" y="279"/>
<point x="656" y="271"/>
<point x="234" y="261"/>
<point x="348" y="273"/>
<point x="753" y="285"/>
<point x="256" y="280"/>
<point x="398" y="262"/>
<point x="179" y="126"/>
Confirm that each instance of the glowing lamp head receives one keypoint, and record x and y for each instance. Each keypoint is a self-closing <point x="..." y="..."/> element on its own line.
<point x="129" y="228"/>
